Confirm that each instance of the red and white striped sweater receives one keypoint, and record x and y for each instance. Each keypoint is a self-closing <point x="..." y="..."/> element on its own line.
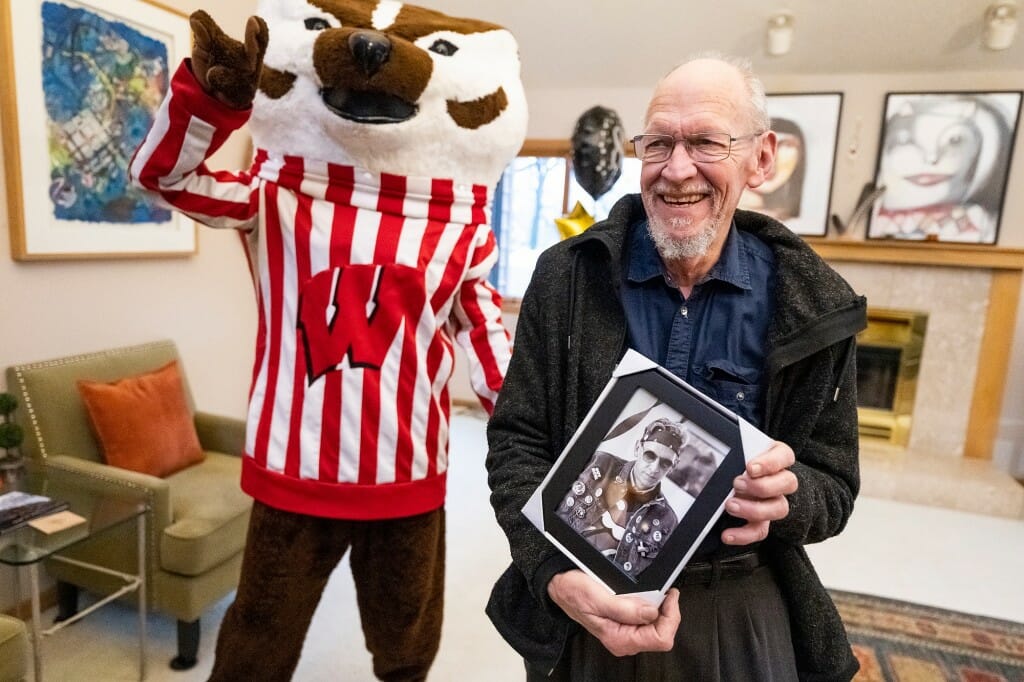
<point x="363" y="279"/>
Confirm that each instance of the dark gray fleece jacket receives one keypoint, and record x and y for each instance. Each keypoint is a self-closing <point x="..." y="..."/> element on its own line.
<point x="570" y="335"/>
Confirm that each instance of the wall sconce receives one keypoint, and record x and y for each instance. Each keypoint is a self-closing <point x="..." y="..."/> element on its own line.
<point x="1000" y="25"/>
<point x="780" y="33"/>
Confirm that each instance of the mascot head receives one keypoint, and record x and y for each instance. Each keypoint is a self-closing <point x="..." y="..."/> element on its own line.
<point x="389" y="87"/>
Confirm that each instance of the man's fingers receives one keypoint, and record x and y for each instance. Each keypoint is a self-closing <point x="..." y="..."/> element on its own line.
<point x="627" y="610"/>
<point x="626" y="640"/>
<point x="773" y="460"/>
<point x="747" y="534"/>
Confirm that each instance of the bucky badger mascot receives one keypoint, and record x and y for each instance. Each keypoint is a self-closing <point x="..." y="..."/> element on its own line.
<point x="380" y="129"/>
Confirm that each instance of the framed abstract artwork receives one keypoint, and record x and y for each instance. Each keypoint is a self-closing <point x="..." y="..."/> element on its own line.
<point x="82" y="82"/>
<point x="943" y="161"/>
<point x="799" y="189"/>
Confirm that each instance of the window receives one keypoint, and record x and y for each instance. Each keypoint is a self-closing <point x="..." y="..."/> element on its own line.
<point x="536" y="188"/>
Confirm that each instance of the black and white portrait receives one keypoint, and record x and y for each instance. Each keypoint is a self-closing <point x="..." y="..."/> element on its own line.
<point x="642" y="479"/>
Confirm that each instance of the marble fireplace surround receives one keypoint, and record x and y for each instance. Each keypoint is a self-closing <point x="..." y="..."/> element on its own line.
<point x="970" y="294"/>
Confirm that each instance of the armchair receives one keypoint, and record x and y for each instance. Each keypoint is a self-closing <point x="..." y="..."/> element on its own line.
<point x="197" y="519"/>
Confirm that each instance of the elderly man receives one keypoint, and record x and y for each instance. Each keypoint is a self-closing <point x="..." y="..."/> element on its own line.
<point x="740" y="307"/>
<point x="617" y="505"/>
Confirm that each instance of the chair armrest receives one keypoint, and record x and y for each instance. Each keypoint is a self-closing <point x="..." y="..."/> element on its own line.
<point x="219" y="433"/>
<point x="111" y="480"/>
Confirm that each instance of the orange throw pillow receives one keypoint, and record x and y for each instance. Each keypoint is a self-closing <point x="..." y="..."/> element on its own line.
<point x="143" y="422"/>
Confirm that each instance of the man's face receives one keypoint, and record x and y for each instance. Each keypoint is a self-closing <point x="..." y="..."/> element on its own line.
<point x="654" y="461"/>
<point x="690" y="204"/>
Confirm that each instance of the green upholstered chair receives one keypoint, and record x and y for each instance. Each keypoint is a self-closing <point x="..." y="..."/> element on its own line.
<point x="13" y="649"/>
<point x="197" y="517"/>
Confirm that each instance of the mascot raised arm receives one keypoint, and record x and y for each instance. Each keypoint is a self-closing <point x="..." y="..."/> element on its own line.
<point x="380" y="130"/>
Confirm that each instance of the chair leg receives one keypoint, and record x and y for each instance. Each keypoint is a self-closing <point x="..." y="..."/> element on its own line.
<point x="188" y="645"/>
<point x="67" y="601"/>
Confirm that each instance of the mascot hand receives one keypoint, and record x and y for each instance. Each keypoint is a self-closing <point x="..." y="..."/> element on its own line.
<point x="224" y="67"/>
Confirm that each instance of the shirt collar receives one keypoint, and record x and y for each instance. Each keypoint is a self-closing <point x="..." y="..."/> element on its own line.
<point x="733" y="266"/>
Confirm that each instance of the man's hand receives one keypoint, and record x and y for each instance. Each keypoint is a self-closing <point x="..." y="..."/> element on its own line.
<point x="760" y="494"/>
<point x="624" y="625"/>
<point x="225" y="68"/>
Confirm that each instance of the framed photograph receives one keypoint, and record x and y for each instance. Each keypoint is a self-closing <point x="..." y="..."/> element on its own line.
<point x="82" y="81"/>
<point x="643" y="480"/>
<point x="799" y="191"/>
<point x="943" y="161"/>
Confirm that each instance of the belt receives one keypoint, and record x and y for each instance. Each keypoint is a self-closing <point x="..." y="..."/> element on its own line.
<point x="708" y="572"/>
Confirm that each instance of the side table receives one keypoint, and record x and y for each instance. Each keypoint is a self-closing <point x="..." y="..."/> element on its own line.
<point x="26" y="547"/>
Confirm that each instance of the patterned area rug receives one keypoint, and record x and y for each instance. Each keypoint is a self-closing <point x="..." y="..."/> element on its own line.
<point x="899" y="641"/>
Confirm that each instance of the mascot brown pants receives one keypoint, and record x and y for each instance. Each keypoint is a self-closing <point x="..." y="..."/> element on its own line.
<point x="398" y="569"/>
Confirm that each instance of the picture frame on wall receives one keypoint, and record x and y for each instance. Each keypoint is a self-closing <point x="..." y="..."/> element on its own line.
<point x="944" y="160"/>
<point x="799" y="190"/>
<point x="83" y="81"/>
<point x="602" y="504"/>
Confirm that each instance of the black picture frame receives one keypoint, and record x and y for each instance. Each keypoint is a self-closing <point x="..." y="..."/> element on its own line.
<point x="944" y="159"/>
<point x="718" y="428"/>
<point x="799" y="191"/>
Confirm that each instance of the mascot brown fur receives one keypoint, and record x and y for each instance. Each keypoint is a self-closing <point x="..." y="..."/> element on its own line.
<point x="380" y="130"/>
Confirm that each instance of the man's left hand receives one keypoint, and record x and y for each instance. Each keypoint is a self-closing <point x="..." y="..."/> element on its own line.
<point x="761" y="494"/>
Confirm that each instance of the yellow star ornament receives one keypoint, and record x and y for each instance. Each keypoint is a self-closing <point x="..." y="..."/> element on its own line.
<point x="575" y="222"/>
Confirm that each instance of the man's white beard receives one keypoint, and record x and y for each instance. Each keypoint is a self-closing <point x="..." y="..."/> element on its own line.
<point x="676" y="248"/>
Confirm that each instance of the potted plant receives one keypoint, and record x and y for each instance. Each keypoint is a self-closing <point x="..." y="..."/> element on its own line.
<point x="11" y="435"/>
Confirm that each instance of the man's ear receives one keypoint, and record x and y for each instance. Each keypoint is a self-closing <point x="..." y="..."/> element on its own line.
<point x="764" y="159"/>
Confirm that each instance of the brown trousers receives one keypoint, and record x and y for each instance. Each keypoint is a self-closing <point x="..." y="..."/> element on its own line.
<point x="398" y="569"/>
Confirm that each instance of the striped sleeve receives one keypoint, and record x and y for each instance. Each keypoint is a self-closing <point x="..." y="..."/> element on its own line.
<point x="171" y="162"/>
<point x="479" y="329"/>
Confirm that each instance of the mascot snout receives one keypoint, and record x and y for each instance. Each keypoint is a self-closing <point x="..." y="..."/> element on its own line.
<point x="368" y="77"/>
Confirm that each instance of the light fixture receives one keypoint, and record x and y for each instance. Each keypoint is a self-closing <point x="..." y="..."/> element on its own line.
<point x="780" y="33"/>
<point x="1000" y="25"/>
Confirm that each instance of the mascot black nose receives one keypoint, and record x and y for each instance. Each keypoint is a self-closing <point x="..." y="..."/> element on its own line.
<point x="370" y="49"/>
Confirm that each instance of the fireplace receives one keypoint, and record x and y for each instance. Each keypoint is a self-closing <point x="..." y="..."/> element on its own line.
<point x="888" y="364"/>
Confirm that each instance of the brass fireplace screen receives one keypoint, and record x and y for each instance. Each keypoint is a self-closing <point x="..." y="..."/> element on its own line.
<point x="888" y="363"/>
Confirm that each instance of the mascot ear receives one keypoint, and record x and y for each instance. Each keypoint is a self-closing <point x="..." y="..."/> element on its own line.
<point x="225" y="68"/>
<point x="597" y="150"/>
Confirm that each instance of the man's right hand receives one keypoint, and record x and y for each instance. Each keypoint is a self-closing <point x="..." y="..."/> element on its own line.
<point x="625" y="625"/>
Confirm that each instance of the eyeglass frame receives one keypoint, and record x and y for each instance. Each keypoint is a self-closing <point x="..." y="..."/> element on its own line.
<point x="685" y="140"/>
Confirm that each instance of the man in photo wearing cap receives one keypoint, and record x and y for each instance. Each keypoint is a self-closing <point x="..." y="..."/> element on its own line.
<point x="617" y="505"/>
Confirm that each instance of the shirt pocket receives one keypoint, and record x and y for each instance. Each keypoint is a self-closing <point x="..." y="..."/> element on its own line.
<point x="734" y="386"/>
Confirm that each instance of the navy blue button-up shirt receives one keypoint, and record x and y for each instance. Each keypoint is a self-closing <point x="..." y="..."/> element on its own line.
<point x="715" y="339"/>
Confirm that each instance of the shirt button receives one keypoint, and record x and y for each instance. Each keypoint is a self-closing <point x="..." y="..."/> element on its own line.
<point x="682" y="311"/>
<point x="740" y="395"/>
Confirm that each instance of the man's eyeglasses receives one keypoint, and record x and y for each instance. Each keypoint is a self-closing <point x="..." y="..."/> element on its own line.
<point x="706" y="147"/>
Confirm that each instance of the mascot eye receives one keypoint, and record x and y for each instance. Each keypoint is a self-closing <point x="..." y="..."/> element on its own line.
<point x="443" y="47"/>
<point x="317" y="24"/>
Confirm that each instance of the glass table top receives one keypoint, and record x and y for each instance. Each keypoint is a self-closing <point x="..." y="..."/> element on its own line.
<point x="101" y="511"/>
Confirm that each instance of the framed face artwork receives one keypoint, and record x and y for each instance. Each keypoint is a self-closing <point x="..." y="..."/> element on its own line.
<point x="83" y="81"/>
<point x="943" y="161"/>
<point x="798" y="190"/>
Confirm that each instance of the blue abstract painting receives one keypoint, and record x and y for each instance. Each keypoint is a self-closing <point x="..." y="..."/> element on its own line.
<point x="102" y="83"/>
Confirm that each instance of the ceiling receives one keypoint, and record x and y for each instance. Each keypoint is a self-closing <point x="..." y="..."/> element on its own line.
<point x="631" y="43"/>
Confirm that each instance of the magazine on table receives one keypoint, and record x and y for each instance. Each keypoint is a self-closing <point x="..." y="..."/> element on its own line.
<point x="643" y="480"/>
<point x="18" y="508"/>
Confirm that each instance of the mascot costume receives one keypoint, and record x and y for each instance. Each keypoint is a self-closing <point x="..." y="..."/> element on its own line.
<point x="380" y="130"/>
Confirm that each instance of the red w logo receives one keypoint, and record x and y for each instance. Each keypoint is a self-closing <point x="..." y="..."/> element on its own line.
<point x="355" y="312"/>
